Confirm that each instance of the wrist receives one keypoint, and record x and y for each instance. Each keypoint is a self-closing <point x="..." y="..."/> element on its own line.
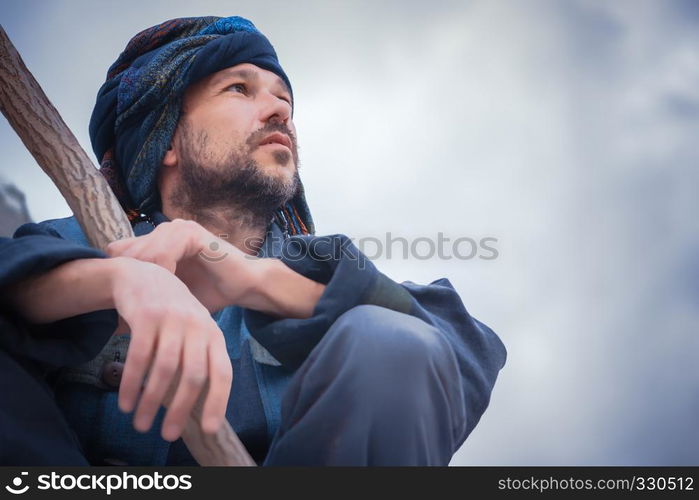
<point x="121" y="270"/>
<point x="114" y="270"/>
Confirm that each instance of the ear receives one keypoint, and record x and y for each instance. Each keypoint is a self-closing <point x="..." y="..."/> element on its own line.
<point x="170" y="158"/>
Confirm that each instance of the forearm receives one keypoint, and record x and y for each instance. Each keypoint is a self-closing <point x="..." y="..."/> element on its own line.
<point x="73" y="288"/>
<point x="280" y="291"/>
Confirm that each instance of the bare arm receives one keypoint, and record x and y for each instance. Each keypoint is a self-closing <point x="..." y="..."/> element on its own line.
<point x="76" y="287"/>
<point x="265" y="285"/>
<point x="172" y="334"/>
<point x="280" y="291"/>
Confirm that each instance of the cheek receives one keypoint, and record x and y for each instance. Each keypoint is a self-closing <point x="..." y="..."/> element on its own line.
<point x="230" y="116"/>
<point x="227" y="131"/>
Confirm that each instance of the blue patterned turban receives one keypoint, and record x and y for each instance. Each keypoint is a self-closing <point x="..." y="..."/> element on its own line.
<point x="139" y="105"/>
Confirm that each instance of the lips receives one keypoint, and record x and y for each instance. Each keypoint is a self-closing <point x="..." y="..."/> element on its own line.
<point x="276" y="138"/>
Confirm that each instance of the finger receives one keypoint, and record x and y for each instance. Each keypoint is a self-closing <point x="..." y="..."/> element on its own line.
<point x="167" y="359"/>
<point x="138" y="359"/>
<point x="131" y="249"/>
<point x="115" y="248"/>
<point x="220" y="381"/>
<point x="163" y="249"/>
<point x="146" y="251"/>
<point x="191" y="383"/>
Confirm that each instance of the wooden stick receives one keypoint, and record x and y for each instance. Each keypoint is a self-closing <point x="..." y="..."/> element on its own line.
<point x="57" y="151"/>
<point x="59" y="154"/>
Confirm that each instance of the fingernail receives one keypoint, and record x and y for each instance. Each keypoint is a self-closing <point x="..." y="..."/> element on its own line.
<point x="141" y="424"/>
<point x="125" y="406"/>
<point x="171" y="432"/>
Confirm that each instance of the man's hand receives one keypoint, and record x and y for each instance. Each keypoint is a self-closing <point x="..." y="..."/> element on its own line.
<point x="171" y="334"/>
<point x="219" y="274"/>
<point x="196" y="256"/>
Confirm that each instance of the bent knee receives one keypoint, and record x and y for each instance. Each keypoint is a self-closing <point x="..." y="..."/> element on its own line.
<point x="381" y="335"/>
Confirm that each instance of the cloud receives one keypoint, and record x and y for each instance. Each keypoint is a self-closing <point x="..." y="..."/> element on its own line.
<point x="564" y="129"/>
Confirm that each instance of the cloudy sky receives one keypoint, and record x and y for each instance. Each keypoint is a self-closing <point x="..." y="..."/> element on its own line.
<point x="564" y="129"/>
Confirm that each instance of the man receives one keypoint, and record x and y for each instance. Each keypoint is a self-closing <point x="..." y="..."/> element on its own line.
<point x="332" y="362"/>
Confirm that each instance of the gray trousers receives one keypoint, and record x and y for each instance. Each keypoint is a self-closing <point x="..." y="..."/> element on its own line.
<point x="381" y="388"/>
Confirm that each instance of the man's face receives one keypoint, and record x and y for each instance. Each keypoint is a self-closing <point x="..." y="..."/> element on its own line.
<point x="235" y="144"/>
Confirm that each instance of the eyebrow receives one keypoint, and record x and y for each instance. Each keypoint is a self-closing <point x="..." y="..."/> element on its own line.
<point x="246" y="74"/>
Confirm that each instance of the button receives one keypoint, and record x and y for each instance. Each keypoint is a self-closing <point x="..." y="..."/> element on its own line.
<point x="111" y="373"/>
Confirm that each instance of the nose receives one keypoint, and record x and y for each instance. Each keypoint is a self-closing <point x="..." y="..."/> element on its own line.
<point x="274" y="109"/>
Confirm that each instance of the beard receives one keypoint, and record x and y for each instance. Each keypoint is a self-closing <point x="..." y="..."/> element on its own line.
<point x="234" y="186"/>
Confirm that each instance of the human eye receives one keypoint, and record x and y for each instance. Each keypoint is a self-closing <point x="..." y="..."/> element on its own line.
<point x="285" y="98"/>
<point x="239" y="87"/>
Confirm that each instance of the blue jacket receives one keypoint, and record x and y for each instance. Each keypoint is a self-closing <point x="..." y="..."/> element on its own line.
<point x="265" y="351"/>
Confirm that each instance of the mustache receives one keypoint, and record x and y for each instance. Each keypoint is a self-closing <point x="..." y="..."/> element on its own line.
<point x="254" y="139"/>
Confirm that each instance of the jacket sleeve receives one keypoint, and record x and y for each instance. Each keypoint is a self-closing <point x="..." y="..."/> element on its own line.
<point x="36" y="249"/>
<point x="351" y="280"/>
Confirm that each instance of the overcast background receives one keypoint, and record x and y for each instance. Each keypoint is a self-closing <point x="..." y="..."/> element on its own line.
<point x="565" y="129"/>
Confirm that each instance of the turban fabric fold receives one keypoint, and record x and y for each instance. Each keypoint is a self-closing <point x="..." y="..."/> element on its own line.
<point x="139" y="105"/>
